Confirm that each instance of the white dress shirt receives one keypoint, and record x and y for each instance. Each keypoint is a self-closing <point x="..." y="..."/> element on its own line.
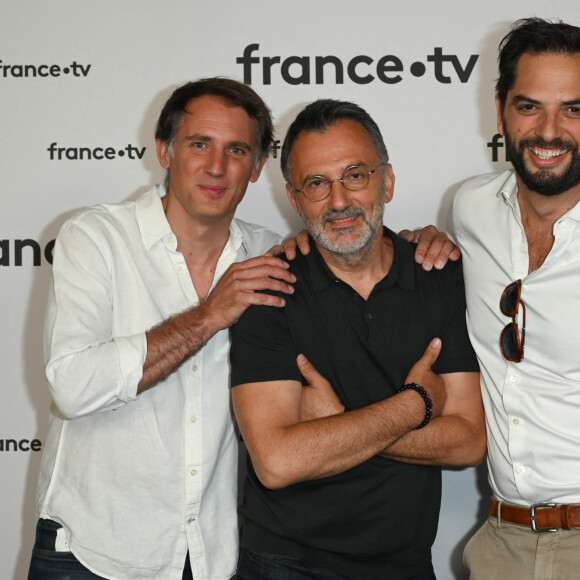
<point x="532" y="407"/>
<point x="137" y="481"/>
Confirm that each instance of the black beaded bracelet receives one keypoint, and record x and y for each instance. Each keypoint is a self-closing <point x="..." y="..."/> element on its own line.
<point x="426" y="398"/>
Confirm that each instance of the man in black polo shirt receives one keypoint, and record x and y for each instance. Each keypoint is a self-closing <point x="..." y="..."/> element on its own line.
<point x="344" y="483"/>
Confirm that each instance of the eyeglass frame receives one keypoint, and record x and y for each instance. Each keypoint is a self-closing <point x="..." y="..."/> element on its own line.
<point x="513" y="314"/>
<point x="331" y="181"/>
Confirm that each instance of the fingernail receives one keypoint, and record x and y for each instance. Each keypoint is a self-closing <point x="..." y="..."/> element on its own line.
<point x="436" y="343"/>
<point x="439" y="264"/>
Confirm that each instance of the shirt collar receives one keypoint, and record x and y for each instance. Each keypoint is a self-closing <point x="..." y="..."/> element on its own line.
<point x="509" y="193"/>
<point x="151" y="218"/>
<point x="509" y="190"/>
<point x="237" y="240"/>
<point x="402" y="271"/>
<point x="154" y="226"/>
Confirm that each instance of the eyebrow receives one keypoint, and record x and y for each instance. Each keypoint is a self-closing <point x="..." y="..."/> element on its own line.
<point x="524" y="99"/>
<point x="206" y="139"/>
<point x="350" y="166"/>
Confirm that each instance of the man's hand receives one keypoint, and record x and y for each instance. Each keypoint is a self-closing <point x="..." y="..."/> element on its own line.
<point x="318" y="397"/>
<point x="422" y="374"/>
<point x="434" y="248"/>
<point x="241" y="286"/>
<point x="289" y="245"/>
<point x="174" y="341"/>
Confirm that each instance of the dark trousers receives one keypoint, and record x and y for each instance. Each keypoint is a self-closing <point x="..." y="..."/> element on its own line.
<point x="261" y="566"/>
<point x="48" y="564"/>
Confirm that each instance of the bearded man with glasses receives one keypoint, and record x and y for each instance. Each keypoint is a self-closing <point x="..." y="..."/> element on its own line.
<point x="351" y="488"/>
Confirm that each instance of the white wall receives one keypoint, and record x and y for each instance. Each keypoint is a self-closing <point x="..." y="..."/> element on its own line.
<point x="110" y="66"/>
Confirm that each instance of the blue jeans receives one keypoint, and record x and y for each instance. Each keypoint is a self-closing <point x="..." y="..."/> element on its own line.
<point x="47" y="564"/>
<point x="261" y="566"/>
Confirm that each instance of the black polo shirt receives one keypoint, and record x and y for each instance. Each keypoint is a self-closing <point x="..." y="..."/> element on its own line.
<point x="379" y="519"/>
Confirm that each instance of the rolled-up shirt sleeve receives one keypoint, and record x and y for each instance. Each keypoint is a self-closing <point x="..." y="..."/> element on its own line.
<point x="89" y="368"/>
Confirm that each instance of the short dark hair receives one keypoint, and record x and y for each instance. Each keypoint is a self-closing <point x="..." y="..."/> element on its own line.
<point x="322" y="114"/>
<point x="233" y="93"/>
<point x="535" y="36"/>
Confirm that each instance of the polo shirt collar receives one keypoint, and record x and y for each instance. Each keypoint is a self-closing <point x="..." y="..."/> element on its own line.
<point x="402" y="270"/>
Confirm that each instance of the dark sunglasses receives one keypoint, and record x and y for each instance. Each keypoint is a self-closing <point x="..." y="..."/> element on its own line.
<point x="511" y="342"/>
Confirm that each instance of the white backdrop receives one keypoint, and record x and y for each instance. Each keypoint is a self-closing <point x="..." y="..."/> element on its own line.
<point x="94" y="74"/>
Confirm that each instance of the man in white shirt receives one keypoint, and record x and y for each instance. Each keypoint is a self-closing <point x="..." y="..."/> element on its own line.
<point x="139" y="476"/>
<point x="519" y="232"/>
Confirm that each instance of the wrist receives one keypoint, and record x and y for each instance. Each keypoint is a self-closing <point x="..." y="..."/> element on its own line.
<point x="426" y="399"/>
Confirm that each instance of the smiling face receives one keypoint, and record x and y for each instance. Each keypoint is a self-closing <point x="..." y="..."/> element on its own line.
<point x="541" y="122"/>
<point x="346" y="221"/>
<point x="212" y="161"/>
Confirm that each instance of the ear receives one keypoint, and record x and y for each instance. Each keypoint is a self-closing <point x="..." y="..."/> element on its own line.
<point x="163" y="154"/>
<point x="389" y="183"/>
<point x="258" y="169"/>
<point x="500" y="127"/>
<point x="292" y="198"/>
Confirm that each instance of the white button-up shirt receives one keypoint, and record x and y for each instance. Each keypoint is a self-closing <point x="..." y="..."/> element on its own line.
<point x="532" y="407"/>
<point x="137" y="481"/>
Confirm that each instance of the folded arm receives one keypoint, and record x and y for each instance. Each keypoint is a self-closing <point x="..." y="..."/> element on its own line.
<point x="285" y="451"/>
<point x="457" y="437"/>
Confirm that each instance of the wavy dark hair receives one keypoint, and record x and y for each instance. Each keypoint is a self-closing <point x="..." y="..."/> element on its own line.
<point x="535" y="36"/>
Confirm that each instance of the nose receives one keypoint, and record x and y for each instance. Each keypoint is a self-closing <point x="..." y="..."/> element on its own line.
<point x="549" y="126"/>
<point x="338" y="196"/>
<point x="215" y="163"/>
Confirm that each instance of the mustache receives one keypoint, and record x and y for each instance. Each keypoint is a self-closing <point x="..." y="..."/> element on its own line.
<point x="556" y="143"/>
<point x="347" y="212"/>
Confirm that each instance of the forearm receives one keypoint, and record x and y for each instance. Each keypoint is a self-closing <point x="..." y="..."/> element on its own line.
<point x="174" y="341"/>
<point x="285" y="455"/>
<point x="448" y="441"/>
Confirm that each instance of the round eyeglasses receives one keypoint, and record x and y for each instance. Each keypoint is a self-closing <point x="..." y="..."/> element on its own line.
<point x="354" y="178"/>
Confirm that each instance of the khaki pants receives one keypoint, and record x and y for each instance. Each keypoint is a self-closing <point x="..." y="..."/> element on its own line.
<point x="507" y="551"/>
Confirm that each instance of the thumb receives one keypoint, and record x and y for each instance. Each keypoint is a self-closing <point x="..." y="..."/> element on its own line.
<point x="431" y="352"/>
<point x="306" y="368"/>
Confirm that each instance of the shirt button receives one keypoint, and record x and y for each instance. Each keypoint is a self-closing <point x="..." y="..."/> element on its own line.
<point x="195" y="368"/>
<point x="193" y="419"/>
<point x="514" y="379"/>
<point x="516" y="421"/>
<point x="191" y="520"/>
<point x="179" y="268"/>
<point x="369" y="316"/>
<point x="171" y="239"/>
<point x="521" y="469"/>
<point x="193" y="472"/>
